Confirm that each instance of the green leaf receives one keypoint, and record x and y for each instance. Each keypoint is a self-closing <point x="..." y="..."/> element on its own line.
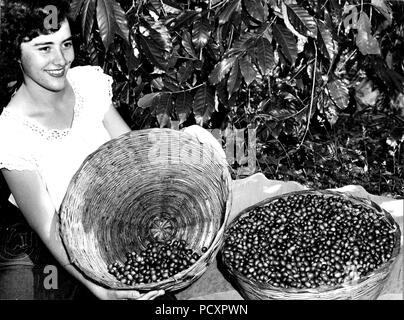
<point x="396" y="78"/>
<point x="331" y="112"/>
<point x="204" y="104"/>
<point x="365" y="93"/>
<point x="200" y="33"/>
<point x="158" y="33"/>
<point x="111" y="19"/>
<point x="222" y="93"/>
<point x="184" y="19"/>
<point x="247" y="69"/>
<point x="325" y="41"/>
<point x="339" y="93"/>
<point x="93" y="52"/>
<point x="281" y="114"/>
<point x="267" y="33"/>
<point x="171" y="7"/>
<point x="87" y="19"/>
<point x="153" y="52"/>
<point x="183" y="106"/>
<point x="286" y="42"/>
<point x="366" y="43"/>
<point x="384" y="9"/>
<point x="157" y="83"/>
<point x="329" y="23"/>
<point x="234" y="81"/>
<point x="265" y="56"/>
<point x="187" y="44"/>
<point x="256" y="10"/>
<point x="185" y="71"/>
<point x="105" y="20"/>
<point x="244" y="43"/>
<point x="335" y="5"/>
<point x="301" y="20"/>
<point x="121" y="21"/>
<point x="75" y="8"/>
<point x="157" y="5"/>
<point x="170" y="83"/>
<point x="221" y="70"/>
<point x="163" y="110"/>
<point x="130" y="48"/>
<point x="231" y="6"/>
<point x="147" y="100"/>
<point x="155" y="41"/>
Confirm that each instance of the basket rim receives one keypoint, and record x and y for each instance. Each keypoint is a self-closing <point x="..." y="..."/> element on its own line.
<point x="172" y="281"/>
<point x="124" y="135"/>
<point x="324" y="288"/>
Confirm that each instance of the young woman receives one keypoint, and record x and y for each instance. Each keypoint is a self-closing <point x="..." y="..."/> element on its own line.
<point x="56" y="117"/>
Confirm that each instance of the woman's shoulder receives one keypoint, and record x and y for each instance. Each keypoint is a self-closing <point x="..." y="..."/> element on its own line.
<point x="94" y="86"/>
<point x="8" y="122"/>
<point x="87" y="74"/>
<point x="12" y="129"/>
<point x="90" y="79"/>
<point x="16" y="144"/>
<point x="83" y="70"/>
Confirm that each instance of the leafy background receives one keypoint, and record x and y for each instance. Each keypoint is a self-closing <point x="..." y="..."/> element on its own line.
<point x="319" y="84"/>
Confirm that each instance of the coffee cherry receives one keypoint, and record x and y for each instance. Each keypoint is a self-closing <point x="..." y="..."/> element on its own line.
<point x="157" y="262"/>
<point x="308" y="241"/>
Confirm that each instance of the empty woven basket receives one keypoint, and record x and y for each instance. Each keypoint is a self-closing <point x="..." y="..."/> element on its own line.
<point x="132" y="183"/>
<point x="366" y="288"/>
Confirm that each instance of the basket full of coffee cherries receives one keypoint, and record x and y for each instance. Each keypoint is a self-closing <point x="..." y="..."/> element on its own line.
<point x="309" y="245"/>
<point x="147" y="211"/>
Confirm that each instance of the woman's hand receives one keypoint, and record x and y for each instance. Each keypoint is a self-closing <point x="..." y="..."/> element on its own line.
<point x="111" y="294"/>
<point x="204" y="136"/>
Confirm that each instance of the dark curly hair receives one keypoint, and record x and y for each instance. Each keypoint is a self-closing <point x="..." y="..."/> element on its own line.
<point x="21" y="21"/>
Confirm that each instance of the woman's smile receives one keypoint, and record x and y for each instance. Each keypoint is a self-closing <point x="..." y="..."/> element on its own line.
<point x="56" y="73"/>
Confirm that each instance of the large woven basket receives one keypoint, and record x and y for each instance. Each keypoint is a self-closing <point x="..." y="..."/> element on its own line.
<point x="133" y="182"/>
<point x="368" y="287"/>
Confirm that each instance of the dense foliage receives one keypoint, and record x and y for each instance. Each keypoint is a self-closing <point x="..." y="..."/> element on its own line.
<point x="318" y="83"/>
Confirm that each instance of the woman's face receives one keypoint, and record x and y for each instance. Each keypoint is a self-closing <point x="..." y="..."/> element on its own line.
<point x="46" y="59"/>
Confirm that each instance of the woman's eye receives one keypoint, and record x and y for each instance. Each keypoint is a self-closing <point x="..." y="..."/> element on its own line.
<point x="44" y="49"/>
<point x="68" y="44"/>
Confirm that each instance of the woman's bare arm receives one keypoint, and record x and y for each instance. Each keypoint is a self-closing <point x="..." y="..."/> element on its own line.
<point x="114" y="123"/>
<point x="34" y="202"/>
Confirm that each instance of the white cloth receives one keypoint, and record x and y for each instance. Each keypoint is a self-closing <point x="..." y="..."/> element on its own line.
<point x="57" y="154"/>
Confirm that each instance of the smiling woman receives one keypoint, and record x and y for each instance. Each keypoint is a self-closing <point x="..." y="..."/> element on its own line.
<point x="55" y="117"/>
<point x="21" y="22"/>
<point x="45" y="95"/>
<point x="35" y="59"/>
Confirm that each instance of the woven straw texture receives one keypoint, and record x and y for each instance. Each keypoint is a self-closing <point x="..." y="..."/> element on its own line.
<point x="146" y="185"/>
<point x="365" y="288"/>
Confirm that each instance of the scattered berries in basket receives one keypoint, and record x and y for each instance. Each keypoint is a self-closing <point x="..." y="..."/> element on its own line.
<point x="159" y="261"/>
<point x="307" y="241"/>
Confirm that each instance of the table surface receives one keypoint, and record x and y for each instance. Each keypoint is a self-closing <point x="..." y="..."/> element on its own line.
<point x="246" y="192"/>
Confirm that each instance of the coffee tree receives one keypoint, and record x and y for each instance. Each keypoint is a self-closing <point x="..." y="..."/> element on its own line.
<point x="288" y="69"/>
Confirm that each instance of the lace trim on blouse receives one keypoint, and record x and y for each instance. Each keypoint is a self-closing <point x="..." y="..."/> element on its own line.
<point x="51" y="134"/>
<point x="16" y="157"/>
<point x="19" y="164"/>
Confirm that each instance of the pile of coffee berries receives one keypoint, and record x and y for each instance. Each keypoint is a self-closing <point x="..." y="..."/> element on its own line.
<point x="307" y="241"/>
<point x="159" y="261"/>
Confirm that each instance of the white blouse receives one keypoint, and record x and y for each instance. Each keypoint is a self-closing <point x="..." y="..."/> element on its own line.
<point x="57" y="154"/>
